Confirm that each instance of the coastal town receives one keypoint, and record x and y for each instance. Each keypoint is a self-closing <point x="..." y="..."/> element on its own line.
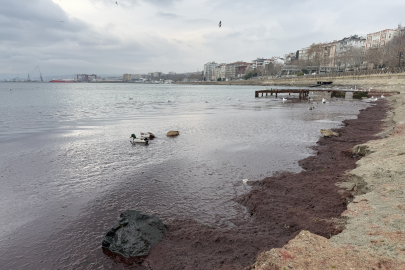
<point x="380" y="49"/>
<point x="377" y="51"/>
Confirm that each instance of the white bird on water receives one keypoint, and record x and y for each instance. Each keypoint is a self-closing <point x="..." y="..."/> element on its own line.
<point x="229" y="98"/>
<point x="323" y="100"/>
<point x="284" y="99"/>
<point x="382" y="96"/>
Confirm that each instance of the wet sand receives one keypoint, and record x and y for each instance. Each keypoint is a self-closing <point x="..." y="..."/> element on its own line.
<point x="280" y="206"/>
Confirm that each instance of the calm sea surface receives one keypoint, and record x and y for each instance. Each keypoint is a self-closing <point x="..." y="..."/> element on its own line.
<point x="67" y="163"/>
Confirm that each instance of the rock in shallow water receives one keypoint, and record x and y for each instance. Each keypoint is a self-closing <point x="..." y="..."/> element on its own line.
<point x="173" y="133"/>
<point x="328" y="133"/>
<point x="134" y="234"/>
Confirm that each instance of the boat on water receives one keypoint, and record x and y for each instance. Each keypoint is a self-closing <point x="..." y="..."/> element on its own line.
<point x="63" y="81"/>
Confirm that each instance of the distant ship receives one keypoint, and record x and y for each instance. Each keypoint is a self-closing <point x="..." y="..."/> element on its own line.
<point x="63" y="81"/>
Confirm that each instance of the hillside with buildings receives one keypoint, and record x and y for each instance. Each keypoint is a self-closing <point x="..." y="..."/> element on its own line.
<point x="378" y="50"/>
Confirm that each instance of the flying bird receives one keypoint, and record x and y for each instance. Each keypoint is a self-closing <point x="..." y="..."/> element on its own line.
<point x="60" y="21"/>
<point x="116" y="2"/>
<point x="220" y="24"/>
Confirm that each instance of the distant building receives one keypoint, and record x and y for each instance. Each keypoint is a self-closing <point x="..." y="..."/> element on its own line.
<point x="350" y="52"/>
<point x="209" y="71"/>
<point x="350" y="42"/>
<point x="232" y="70"/>
<point x="134" y="77"/>
<point x="330" y="52"/>
<point x="381" y="38"/>
<point x="290" y="58"/>
<point x="258" y="63"/>
<point x="217" y="72"/>
<point x="302" y="54"/>
<point x="155" y="75"/>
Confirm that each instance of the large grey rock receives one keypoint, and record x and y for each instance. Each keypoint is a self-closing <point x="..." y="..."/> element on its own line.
<point x="134" y="234"/>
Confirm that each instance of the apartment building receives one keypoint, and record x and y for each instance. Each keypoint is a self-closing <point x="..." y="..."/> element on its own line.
<point x="155" y="75"/>
<point x="350" y="42"/>
<point x="209" y="71"/>
<point x="380" y="38"/>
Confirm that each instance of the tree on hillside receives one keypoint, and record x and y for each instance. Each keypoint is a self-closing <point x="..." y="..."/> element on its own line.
<point x="351" y="58"/>
<point x="316" y="55"/>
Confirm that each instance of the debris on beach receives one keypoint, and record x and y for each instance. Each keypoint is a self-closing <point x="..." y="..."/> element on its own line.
<point x="361" y="150"/>
<point x="134" y="234"/>
<point x="173" y="133"/>
<point x="328" y="133"/>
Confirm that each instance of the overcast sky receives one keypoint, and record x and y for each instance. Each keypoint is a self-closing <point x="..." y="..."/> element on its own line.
<point x="140" y="36"/>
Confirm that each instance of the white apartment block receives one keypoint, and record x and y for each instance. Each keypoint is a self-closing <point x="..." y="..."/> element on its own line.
<point x="209" y="71"/>
<point x="350" y="42"/>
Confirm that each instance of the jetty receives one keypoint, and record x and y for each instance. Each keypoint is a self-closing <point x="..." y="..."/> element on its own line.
<point x="302" y="93"/>
<point x="334" y="92"/>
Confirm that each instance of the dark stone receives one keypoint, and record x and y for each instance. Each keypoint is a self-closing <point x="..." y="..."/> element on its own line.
<point x="134" y="234"/>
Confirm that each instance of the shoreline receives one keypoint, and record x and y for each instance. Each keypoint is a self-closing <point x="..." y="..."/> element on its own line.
<point x="374" y="234"/>
<point x="281" y="206"/>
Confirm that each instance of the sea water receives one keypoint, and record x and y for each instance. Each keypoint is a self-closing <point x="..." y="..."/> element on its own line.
<point x="67" y="163"/>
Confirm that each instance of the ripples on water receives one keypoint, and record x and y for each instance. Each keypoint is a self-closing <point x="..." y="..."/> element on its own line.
<point x="67" y="168"/>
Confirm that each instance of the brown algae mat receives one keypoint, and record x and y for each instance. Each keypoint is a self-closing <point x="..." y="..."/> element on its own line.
<point x="281" y="207"/>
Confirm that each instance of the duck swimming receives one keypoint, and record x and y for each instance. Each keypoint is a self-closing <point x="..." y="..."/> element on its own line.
<point x="138" y="140"/>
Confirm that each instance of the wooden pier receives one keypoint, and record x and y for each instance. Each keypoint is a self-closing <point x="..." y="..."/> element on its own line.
<point x="302" y="92"/>
<point x="305" y="92"/>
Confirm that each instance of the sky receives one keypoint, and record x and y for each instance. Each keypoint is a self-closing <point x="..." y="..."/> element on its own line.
<point x="141" y="36"/>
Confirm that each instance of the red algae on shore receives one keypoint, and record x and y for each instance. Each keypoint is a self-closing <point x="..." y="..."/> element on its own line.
<point x="281" y="207"/>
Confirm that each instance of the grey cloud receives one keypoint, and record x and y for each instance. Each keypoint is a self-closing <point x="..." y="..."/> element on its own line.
<point x="31" y="36"/>
<point x="170" y="16"/>
<point x="201" y="21"/>
<point x="134" y="3"/>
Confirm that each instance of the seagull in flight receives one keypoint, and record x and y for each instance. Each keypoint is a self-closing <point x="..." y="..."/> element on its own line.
<point x="60" y="21"/>
<point x="116" y="2"/>
<point x="220" y="24"/>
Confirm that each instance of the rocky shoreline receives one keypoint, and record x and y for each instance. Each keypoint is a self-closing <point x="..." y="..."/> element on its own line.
<point x="284" y="207"/>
